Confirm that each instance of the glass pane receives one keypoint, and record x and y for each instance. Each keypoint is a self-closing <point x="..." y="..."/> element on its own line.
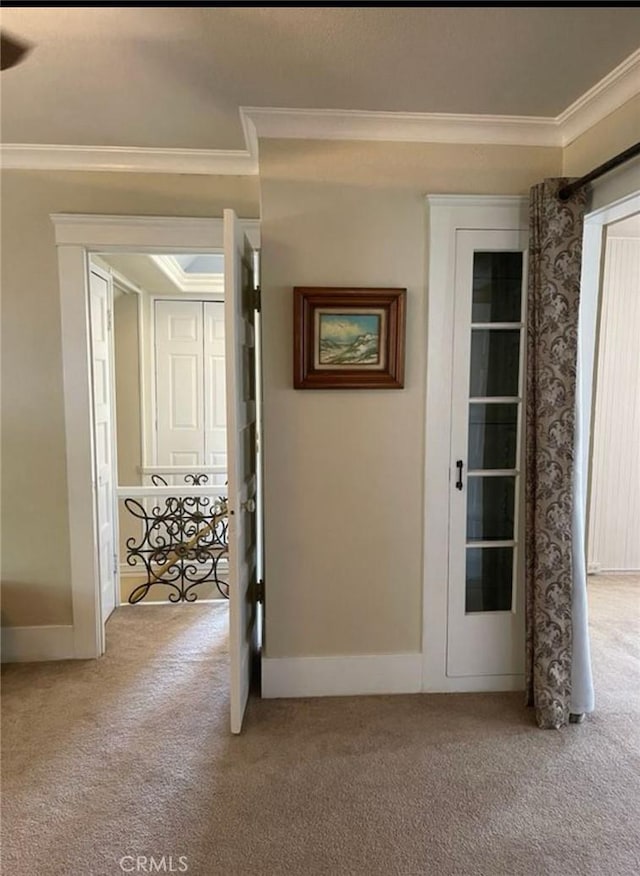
<point x="489" y="579"/>
<point x="495" y="362"/>
<point x="497" y="287"/>
<point x="490" y="508"/>
<point x="493" y="430"/>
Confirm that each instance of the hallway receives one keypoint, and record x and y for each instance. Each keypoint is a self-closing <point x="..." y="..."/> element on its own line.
<point x="131" y="755"/>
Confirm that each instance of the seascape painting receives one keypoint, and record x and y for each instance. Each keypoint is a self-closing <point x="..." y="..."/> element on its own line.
<point x="349" y="339"/>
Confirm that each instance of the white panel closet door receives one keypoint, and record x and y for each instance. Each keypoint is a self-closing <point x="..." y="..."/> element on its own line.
<point x="100" y="295"/>
<point x="215" y="410"/>
<point x="179" y="383"/>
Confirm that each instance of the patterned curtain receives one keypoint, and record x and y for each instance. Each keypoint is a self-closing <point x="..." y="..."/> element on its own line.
<point x="555" y="255"/>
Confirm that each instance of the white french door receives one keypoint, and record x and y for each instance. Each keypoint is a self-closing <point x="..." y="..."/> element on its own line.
<point x="485" y="629"/>
<point x="101" y="309"/>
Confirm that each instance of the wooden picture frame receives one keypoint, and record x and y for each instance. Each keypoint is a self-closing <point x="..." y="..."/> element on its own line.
<point x="348" y="338"/>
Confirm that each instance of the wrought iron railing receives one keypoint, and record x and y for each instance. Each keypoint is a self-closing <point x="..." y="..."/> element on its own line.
<point x="182" y="536"/>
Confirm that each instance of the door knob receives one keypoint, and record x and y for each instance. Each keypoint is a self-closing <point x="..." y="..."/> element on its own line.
<point x="249" y="505"/>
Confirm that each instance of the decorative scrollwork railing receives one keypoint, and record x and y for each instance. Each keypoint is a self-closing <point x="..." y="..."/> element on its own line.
<point x="182" y="541"/>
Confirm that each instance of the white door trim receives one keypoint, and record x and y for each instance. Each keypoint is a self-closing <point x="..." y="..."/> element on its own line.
<point x="76" y="236"/>
<point x="446" y="215"/>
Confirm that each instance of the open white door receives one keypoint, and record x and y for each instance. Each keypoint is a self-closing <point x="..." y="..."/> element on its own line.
<point x="241" y="454"/>
<point x="215" y="411"/>
<point x="101" y="308"/>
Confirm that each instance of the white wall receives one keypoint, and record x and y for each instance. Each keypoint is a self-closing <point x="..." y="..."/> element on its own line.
<point x="614" y="520"/>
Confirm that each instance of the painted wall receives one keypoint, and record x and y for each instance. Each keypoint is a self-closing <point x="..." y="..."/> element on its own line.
<point x="614" y="520"/>
<point x="35" y="535"/>
<point x="612" y="135"/>
<point x="126" y="350"/>
<point x="344" y="469"/>
<point x="127" y="379"/>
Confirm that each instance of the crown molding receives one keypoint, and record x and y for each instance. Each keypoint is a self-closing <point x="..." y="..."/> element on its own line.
<point x="608" y="95"/>
<point x="324" y="124"/>
<point x="132" y="159"/>
<point x="477" y="200"/>
<point x="169" y="265"/>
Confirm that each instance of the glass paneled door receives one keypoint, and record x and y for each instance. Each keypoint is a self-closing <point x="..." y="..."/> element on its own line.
<point x="485" y="609"/>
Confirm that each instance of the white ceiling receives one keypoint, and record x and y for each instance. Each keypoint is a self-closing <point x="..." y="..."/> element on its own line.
<point x="175" y="77"/>
<point x="170" y="274"/>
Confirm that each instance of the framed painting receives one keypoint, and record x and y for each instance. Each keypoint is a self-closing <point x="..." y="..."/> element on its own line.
<point x="348" y="338"/>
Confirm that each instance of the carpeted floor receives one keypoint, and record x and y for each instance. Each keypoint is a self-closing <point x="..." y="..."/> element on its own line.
<point x="131" y="756"/>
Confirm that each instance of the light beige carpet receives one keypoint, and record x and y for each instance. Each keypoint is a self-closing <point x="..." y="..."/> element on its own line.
<point x="131" y="755"/>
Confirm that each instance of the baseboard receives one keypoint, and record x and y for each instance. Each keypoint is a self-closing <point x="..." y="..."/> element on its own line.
<point x="31" y="644"/>
<point x="341" y="676"/>
<point x="602" y="571"/>
<point x="474" y="684"/>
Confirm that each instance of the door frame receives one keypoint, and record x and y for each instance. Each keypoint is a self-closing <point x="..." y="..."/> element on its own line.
<point x="446" y="215"/>
<point x="76" y="237"/>
<point x="92" y="267"/>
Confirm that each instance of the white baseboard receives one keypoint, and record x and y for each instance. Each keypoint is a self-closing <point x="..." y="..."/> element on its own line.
<point x="602" y="571"/>
<point x="341" y="676"/>
<point x="31" y="644"/>
<point x="474" y="684"/>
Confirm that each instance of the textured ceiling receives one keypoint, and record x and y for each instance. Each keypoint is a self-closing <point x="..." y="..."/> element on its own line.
<point x="175" y="77"/>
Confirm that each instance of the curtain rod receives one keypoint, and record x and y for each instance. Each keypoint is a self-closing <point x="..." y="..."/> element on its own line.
<point x="565" y="193"/>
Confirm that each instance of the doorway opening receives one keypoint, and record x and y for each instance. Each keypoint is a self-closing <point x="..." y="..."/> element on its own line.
<point x="85" y="243"/>
<point x="613" y="510"/>
<point x="168" y="422"/>
<point x="614" y="501"/>
<point x="607" y="344"/>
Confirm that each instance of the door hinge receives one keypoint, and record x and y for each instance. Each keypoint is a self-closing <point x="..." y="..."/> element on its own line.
<point x="260" y="591"/>
<point x="116" y="564"/>
<point x="109" y="320"/>
<point x="257" y="299"/>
